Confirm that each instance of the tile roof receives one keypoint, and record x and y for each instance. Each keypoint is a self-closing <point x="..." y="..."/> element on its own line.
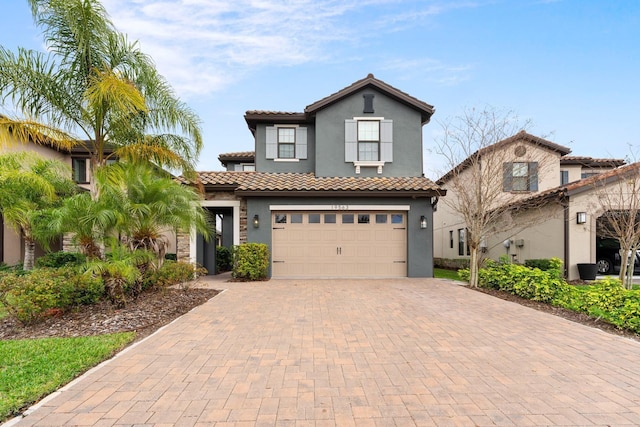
<point x="591" y="161"/>
<point x="257" y="183"/>
<point x="239" y="156"/>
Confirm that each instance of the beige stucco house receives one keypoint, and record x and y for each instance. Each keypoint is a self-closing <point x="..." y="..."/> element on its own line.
<point x="547" y="189"/>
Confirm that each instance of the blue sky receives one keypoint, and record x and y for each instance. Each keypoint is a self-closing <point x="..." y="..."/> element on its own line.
<point x="572" y="67"/>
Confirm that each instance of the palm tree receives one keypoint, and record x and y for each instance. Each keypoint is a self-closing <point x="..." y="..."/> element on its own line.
<point x="29" y="185"/>
<point x="89" y="222"/>
<point x="94" y="85"/>
<point x="150" y="203"/>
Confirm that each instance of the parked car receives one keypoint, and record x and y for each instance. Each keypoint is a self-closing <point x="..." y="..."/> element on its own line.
<point x="608" y="256"/>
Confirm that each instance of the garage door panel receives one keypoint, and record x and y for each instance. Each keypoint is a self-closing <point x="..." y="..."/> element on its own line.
<point x="337" y="249"/>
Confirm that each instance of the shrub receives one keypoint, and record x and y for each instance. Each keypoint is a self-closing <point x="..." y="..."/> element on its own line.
<point x="529" y="283"/>
<point x="29" y="297"/>
<point x="251" y="261"/>
<point x="224" y="259"/>
<point x="171" y="256"/>
<point x="60" y="259"/>
<point x="172" y="273"/>
<point x="451" y="263"/>
<point x="543" y="264"/>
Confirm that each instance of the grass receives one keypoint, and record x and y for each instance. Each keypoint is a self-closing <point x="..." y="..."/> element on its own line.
<point x="31" y="369"/>
<point x="443" y="273"/>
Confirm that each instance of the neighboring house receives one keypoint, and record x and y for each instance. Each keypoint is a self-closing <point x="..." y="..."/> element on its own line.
<point x="334" y="191"/>
<point x="546" y="188"/>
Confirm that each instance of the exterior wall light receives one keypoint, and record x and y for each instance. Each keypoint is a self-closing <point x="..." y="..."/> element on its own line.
<point x="423" y="222"/>
<point x="581" y="218"/>
<point x="256" y="221"/>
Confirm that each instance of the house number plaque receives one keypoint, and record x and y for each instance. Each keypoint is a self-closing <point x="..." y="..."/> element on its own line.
<point x="340" y="207"/>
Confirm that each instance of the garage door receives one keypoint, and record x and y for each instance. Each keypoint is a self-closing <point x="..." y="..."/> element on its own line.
<point x="344" y="244"/>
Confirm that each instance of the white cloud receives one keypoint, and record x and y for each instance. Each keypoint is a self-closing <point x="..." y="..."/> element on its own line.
<point x="202" y="45"/>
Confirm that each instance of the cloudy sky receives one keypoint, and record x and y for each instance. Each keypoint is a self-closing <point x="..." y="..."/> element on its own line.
<point x="572" y="67"/>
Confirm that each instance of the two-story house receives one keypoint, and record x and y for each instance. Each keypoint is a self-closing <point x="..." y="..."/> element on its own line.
<point x="334" y="191"/>
<point x="554" y="197"/>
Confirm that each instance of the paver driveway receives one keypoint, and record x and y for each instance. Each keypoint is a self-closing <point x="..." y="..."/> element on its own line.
<point x="360" y="352"/>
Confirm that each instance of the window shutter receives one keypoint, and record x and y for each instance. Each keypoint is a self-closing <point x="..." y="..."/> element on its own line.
<point x="386" y="140"/>
<point x="533" y="176"/>
<point x="507" y="176"/>
<point x="272" y="142"/>
<point x="350" y="140"/>
<point x="301" y="143"/>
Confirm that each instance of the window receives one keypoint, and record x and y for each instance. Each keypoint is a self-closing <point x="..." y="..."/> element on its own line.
<point x="296" y="218"/>
<point x="363" y="219"/>
<point x="79" y="167"/>
<point x="584" y="175"/>
<point x="564" y="177"/>
<point x="286" y="143"/>
<point x="396" y="218"/>
<point x="381" y="218"/>
<point x="281" y="218"/>
<point x="329" y="218"/>
<point x="248" y="167"/>
<point x="461" y="241"/>
<point x="520" y="176"/>
<point x="347" y="218"/>
<point x="368" y="140"/>
<point x="451" y="239"/>
<point x="314" y="218"/>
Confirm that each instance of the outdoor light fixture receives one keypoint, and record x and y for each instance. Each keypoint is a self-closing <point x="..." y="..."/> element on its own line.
<point x="423" y="222"/>
<point x="581" y="217"/>
<point x="256" y="221"/>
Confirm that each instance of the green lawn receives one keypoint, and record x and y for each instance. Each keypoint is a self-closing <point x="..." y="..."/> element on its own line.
<point x="442" y="273"/>
<point x="31" y="369"/>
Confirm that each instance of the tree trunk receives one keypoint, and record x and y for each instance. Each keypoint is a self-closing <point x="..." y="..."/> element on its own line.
<point x="29" y="254"/>
<point x="626" y="269"/>
<point x="474" y="266"/>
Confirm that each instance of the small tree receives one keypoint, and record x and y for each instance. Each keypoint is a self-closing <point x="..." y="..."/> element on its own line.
<point x="478" y="147"/>
<point x="29" y="186"/>
<point x="618" y="198"/>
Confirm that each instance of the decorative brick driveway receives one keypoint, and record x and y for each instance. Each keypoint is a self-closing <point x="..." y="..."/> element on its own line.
<point x="360" y="353"/>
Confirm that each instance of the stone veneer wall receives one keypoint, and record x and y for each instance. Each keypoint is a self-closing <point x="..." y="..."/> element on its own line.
<point x="184" y="242"/>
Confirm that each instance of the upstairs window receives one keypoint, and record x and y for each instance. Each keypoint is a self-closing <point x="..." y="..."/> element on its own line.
<point x="520" y="176"/>
<point x="286" y="142"/>
<point x="564" y="177"/>
<point x="79" y="169"/>
<point x="369" y="140"/>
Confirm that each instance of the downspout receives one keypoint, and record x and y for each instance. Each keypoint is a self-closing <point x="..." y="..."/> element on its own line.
<point x="565" y="205"/>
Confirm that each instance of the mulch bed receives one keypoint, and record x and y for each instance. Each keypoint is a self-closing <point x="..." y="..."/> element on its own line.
<point x="144" y="315"/>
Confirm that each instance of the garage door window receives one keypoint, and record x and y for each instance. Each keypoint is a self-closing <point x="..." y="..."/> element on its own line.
<point x="296" y="218"/>
<point x="314" y="218"/>
<point x="329" y="218"/>
<point x="363" y="219"/>
<point x="396" y="218"/>
<point x="381" y="218"/>
<point x="281" y="218"/>
<point x="347" y="218"/>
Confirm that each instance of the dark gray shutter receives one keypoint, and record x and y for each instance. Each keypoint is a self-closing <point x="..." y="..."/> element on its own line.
<point x="301" y="143"/>
<point x="533" y="176"/>
<point x="507" y="176"/>
<point x="386" y="140"/>
<point x="350" y="140"/>
<point x="272" y="142"/>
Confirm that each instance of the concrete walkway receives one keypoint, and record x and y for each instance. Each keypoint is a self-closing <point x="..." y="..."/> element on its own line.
<point x="359" y="353"/>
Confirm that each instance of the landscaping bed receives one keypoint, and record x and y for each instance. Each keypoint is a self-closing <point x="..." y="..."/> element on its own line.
<point x="148" y="312"/>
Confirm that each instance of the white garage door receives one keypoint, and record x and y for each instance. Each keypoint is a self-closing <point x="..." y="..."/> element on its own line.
<point x="344" y="244"/>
